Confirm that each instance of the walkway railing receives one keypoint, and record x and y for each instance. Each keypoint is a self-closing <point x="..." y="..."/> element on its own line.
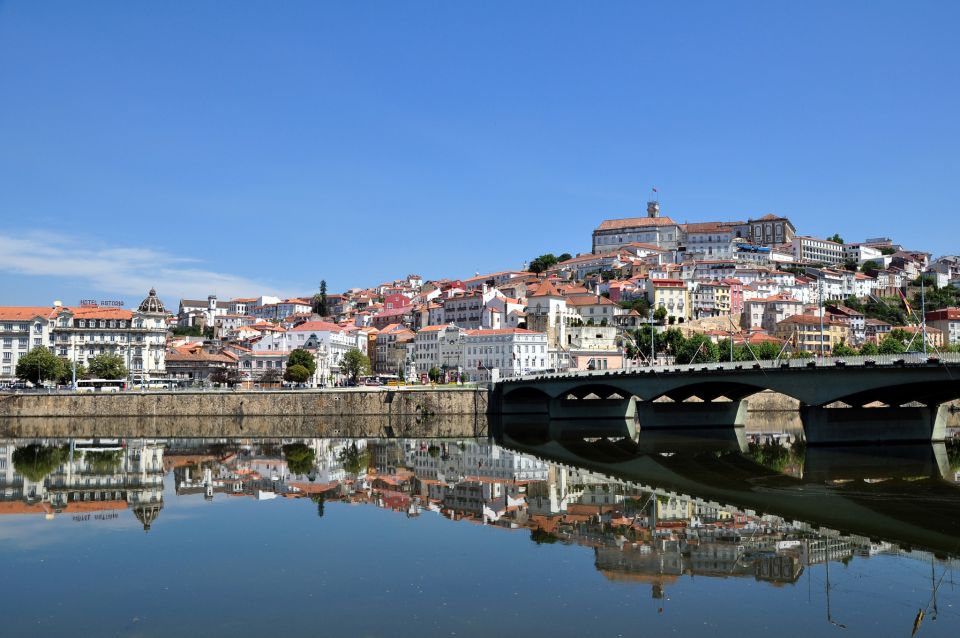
<point x="886" y="360"/>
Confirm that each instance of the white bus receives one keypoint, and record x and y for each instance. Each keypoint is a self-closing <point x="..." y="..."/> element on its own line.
<point x="157" y="384"/>
<point x="101" y="385"/>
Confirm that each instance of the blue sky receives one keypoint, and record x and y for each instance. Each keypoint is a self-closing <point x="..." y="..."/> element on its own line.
<point x="248" y="147"/>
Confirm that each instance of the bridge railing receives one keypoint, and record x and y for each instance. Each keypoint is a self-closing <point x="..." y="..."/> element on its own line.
<point x="912" y="358"/>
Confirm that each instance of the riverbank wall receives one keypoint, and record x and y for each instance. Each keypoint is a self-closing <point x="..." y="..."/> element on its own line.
<point x="375" y="412"/>
<point x="346" y="413"/>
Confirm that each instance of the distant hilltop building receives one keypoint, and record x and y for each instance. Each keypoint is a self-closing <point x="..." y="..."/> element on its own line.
<point x="612" y="234"/>
<point x="663" y="232"/>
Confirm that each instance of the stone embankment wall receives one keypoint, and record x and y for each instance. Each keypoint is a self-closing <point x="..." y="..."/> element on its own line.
<point x="348" y="413"/>
<point x="375" y="412"/>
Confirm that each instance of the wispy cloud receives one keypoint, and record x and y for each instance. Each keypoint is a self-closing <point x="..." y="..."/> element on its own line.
<point x="120" y="270"/>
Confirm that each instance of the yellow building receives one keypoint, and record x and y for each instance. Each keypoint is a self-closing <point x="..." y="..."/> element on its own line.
<point x="802" y="332"/>
<point x="672" y="295"/>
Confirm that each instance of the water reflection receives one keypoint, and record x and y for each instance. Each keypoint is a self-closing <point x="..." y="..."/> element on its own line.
<point x="82" y="478"/>
<point x="718" y="505"/>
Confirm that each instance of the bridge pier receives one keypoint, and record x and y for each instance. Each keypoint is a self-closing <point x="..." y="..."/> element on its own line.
<point x="593" y="417"/>
<point x="872" y="425"/>
<point x="705" y="415"/>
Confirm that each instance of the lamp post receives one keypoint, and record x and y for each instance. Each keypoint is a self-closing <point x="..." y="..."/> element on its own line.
<point x="820" y="288"/>
<point x="923" y="312"/>
<point x="653" y="338"/>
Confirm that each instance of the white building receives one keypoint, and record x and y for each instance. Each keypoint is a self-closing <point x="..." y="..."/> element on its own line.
<point x="494" y="354"/>
<point x="861" y="253"/>
<point x="708" y="240"/>
<point x="548" y="312"/>
<point x="766" y="313"/>
<point x="612" y="234"/>
<point x="139" y="337"/>
<point x="22" y="328"/>
<point x="439" y="347"/>
<point x="817" y="251"/>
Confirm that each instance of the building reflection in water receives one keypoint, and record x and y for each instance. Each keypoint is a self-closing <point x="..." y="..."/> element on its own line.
<point x="83" y="478"/>
<point x="638" y="531"/>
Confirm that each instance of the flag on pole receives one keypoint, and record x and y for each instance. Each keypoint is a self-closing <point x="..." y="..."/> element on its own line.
<point x="654" y="190"/>
<point x="905" y="302"/>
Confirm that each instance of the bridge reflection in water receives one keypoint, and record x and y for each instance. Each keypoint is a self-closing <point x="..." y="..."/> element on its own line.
<point x="900" y="493"/>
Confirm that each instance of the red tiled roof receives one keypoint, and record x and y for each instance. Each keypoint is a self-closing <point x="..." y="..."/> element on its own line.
<point x="501" y="331"/>
<point x="97" y="312"/>
<point x="23" y="313"/>
<point x="547" y="289"/>
<point x="317" y="326"/>
<point x="634" y="222"/>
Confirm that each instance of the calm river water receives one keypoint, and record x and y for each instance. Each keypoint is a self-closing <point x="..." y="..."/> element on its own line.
<point x="703" y="534"/>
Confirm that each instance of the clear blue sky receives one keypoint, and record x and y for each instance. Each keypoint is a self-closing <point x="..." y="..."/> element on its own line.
<point x="241" y="147"/>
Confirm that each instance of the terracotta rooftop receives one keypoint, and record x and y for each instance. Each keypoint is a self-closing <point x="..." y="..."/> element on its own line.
<point x="634" y="222"/>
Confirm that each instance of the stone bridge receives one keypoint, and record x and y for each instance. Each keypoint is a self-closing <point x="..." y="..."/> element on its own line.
<point x="894" y="398"/>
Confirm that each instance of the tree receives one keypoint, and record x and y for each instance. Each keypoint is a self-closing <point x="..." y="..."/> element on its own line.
<point x="301" y="357"/>
<point x="226" y="376"/>
<point x="320" y="299"/>
<point x="887" y="250"/>
<point x="355" y="364"/>
<point x="935" y="298"/>
<point x="354" y="459"/>
<point x="542" y="263"/>
<point x="851" y="265"/>
<point x="543" y="537"/>
<point x="107" y="366"/>
<point x="697" y="349"/>
<point x="66" y="371"/>
<point x="891" y="345"/>
<point x="39" y="364"/>
<point x="660" y="314"/>
<point x="296" y="374"/>
<point x="434" y="374"/>
<point x="186" y="331"/>
<point x="870" y="266"/>
<point x="854" y="304"/>
<point x="842" y="350"/>
<point x="564" y="257"/>
<point x="835" y="238"/>
<point x="320" y="500"/>
<point x="271" y="376"/>
<point x="869" y="349"/>
<point x="299" y="457"/>
<point x="35" y="461"/>
<point x="103" y="461"/>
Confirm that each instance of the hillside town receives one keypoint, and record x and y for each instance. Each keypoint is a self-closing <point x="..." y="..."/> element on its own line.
<point x="650" y="290"/>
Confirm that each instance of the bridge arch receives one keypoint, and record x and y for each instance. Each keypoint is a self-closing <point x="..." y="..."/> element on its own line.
<point x="708" y="391"/>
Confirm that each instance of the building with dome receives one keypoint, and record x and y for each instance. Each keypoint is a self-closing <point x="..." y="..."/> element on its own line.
<point x="79" y="333"/>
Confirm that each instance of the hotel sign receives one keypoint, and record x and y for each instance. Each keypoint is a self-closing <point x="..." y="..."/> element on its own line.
<point x="111" y="303"/>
